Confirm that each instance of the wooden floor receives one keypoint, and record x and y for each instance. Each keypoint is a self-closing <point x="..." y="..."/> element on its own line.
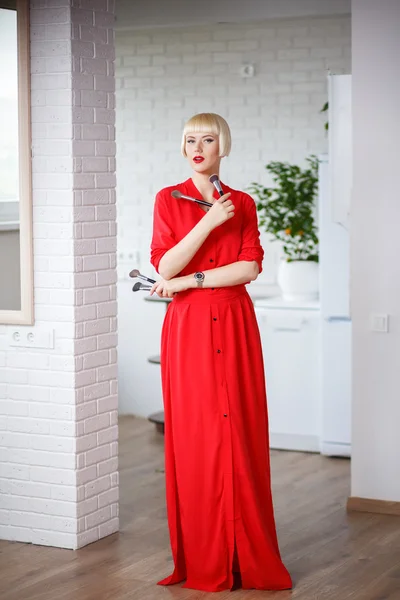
<point x="330" y="554"/>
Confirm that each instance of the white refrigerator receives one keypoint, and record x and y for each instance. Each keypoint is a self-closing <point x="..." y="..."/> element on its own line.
<point x="335" y="175"/>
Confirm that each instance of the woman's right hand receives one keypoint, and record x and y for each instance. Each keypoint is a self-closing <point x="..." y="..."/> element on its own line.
<point x="222" y="210"/>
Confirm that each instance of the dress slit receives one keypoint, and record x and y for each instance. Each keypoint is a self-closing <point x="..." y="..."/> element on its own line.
<point x="236" y="572"/>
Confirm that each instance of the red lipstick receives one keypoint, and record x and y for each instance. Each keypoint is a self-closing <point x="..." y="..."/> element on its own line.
<point x="198" y="159"/>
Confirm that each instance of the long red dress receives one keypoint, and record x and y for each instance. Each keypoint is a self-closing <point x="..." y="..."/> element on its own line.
<point x="219" y="503"/>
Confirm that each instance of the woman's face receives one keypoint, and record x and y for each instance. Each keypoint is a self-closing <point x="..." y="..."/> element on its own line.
<point x="202" y="151"/>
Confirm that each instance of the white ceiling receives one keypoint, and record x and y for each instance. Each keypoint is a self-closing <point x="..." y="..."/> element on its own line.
<point x="142" y="14"/>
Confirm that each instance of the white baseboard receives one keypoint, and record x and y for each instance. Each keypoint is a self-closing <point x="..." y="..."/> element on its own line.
<point x="335" y="449"/>
<point x="293" y="441"/>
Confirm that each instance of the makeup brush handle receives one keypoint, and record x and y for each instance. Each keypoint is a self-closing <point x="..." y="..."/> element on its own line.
<point x="144" y="288"/>
<point x="146" y="278"/>
<point x="203" y="203"/>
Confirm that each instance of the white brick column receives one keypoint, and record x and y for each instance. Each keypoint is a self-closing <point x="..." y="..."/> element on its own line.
<point x="58" y="423"/>
<point x="95" y="244"/>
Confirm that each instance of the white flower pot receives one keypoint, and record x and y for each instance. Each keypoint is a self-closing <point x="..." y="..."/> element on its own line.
<point x="298" y="280"/>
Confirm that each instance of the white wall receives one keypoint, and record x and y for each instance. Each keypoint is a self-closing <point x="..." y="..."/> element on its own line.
<point x="58" y="405"/>
<point x="166" y="75"/>
<point x="139" y="382"/>
<point x="375" y="248"/>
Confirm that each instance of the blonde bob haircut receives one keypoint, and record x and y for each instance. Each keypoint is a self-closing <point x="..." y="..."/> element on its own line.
<point x="209" y="123"/>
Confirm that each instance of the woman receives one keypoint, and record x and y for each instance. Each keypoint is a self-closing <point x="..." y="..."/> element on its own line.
<point x="219" y="503"/>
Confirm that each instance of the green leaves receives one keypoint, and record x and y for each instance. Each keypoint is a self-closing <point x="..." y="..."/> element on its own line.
<point x="325" y="109"/>
<point x="286" y="210"/>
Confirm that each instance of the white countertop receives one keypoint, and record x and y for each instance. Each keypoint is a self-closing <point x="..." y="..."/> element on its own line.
<point x="9" y="225"/>
<point x="278" y="302"/>
<point x="261" y="291"/>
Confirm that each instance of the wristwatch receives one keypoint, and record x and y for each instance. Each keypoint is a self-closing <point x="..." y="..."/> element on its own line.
<point x="199" y="277"/>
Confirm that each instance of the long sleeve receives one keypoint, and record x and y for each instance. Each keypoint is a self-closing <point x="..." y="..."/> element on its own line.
<point x="251" y="248"/>
<point x="163" y="235"/>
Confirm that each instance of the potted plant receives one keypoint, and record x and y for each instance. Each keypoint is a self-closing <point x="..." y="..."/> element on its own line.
<point x="286" y="211"/>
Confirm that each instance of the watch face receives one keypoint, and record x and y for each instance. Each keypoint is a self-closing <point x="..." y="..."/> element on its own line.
<point x="199" y="276"/>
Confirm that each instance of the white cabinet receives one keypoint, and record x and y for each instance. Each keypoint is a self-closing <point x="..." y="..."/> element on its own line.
<point x="291" y="347"/>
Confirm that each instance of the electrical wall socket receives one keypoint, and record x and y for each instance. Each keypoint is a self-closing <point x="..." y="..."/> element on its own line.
<point x="380" y="323"/>
<point x="31" y="337"/>
<point x="247" y="70"/>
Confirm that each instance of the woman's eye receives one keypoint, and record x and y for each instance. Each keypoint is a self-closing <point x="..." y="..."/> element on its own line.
<point x="209" y="140"/>
<point x="190" y="141"/>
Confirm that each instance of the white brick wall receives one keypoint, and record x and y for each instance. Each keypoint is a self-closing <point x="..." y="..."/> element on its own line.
<point x="166" y="75"/>
<point x="58" y="407"/>
<point x="95" y="269"/>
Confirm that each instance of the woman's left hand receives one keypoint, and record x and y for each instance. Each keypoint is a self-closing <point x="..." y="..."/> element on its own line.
<point x="168" y="288"/>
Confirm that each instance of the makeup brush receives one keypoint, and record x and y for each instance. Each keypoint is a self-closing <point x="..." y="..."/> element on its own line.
<point x="178" y="194"/>
<point x="214" y="179"/>
<point x="137" y="273"/>
<point x="138" y="287"/>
